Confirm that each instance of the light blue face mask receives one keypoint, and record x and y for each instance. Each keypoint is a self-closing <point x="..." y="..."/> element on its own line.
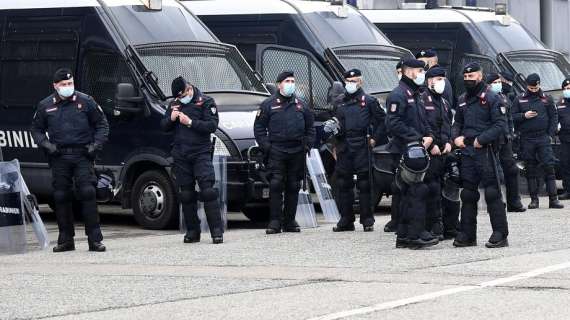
<point x="420" y="79"/>
<point x="66" y="92"/>
<point x="496" y="87"/>
<point x="288" y="89"/>
<point x="351" y="87"/>
<point x="186" y="99"/>
<point x="566" y="93"/>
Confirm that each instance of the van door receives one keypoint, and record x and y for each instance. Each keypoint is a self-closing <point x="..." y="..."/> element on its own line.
<point x="313" y="81"/>
<point x="32" y="49"/>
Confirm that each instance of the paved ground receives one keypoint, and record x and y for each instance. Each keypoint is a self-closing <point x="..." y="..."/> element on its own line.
<point x="313" y="275"/>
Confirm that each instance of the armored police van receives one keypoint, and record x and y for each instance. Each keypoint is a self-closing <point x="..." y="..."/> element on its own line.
<point x="465" y="34"/>
<point x="125" y="54"/>
<point x="318" y="40"/>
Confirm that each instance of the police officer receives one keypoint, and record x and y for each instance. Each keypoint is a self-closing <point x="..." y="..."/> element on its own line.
<point x="508" y="163"/>
<point x="563" y="107"/>
<point x="407" y="124"/>
<point x="536" y="119"/>
<point x="193" y="117"/>
<point x="431" y="60"/>
<point x="77" y="129"/>
<point x="399" y="70"/>
<point x="479" y="123"/>
<point x="507" y="80"/>
<point x="437" y="110"/>
<point x="361" y="125"/>
<point x="284" y="129"/>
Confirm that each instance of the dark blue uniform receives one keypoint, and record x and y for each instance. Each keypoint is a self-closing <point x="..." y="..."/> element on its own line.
<point x="482" y="117"/>
<point x="360" y="117"/>
<point x="284" y="129"/>
<point x="406" y="122"/>
<point x="192" y="154"/>
<point x="535" y="135"/>
<point x="508" y="163"/>
<point x="563" y="108"/>
<point x="77" y="127"/>
<point x="437" y="110"/>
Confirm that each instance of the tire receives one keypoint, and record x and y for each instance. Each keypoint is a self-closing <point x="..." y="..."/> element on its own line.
<point x="154" y="201"/>
<point x="257" y="213"/>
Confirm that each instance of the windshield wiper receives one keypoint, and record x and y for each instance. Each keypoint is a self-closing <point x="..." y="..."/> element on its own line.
<point x="148" y="77"/>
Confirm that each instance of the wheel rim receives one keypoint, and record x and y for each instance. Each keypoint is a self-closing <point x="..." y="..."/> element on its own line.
<point x="152" y="200"/>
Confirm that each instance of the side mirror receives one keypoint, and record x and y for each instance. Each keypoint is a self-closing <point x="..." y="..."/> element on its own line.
<point x="271" y="87"/>
<point x="127" y="100"/>
<point x="336" y="91"/>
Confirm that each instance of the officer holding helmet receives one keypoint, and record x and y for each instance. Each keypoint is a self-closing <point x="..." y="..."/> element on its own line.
<point x="438" y="111"/>
<point x="193" y="117"/>
<point x="284" y="130"/>
<point x="360" y="121"/>
<point x="479" y="123"/>
<point x="407" y="123"/>
<point x="508" y="163"/>
<point x="535" y="117"/>
<point x="77" y="129"/>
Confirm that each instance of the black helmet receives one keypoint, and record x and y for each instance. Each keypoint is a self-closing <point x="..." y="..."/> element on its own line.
<point x="414" y="163"/>
<point x="105" y="185"/>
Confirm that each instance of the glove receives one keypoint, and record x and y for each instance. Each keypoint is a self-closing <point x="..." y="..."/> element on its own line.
<point x="92" y="150"/>
<point x="50" y="148"/>
<point x="331" y="126"/>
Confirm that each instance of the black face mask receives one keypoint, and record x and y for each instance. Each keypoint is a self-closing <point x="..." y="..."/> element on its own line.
<point x="533" y="93"/>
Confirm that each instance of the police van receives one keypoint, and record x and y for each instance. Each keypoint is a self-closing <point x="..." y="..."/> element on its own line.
<point x="125" y="54"/>
<point x="465" y="34"/>
<point x="317" y="40"/>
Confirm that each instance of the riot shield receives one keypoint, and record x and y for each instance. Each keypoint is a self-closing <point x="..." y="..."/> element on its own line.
<point x="12" y="224"/>
<point x="306" y="215"/>
<point x="322" y="187"/>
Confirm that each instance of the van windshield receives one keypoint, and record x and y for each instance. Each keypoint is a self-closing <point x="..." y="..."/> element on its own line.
<point x="209" y="66"/>
<point x="508" y="37"/>
<point x="335" y="31"/>
<point x="552" y="67"/>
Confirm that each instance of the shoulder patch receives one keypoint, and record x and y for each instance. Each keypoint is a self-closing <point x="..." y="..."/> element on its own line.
<point x="503" y="109"/>
<point x="214" y="110"/>
<point x="258" y="113"/>
<point x="393" y="107"/>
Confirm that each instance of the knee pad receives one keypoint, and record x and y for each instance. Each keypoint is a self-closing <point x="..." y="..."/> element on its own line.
<point x="87" y="192"/>
<point x="345" y="182"/>
<point x="276" y="183"/>
<point x="492" y="194"/>
<point x="209" y="194"/>
<point x="363" y="183"/>
<point x="61" y="196"/>
<point x="469" y="195"/>
<point x="187" y="195"/>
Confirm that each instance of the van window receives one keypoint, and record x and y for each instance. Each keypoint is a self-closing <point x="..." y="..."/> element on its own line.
<point x="33" y="49"/>
<point x="312" y="84"/>
<point x="550" y="74"/>
<point x="102" y="71"/>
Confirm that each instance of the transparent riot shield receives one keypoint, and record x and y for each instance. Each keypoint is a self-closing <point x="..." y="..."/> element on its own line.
<point x="220" y="171"/>
<point x="322" y="187"/>
<point x="306" y="215"/>
<point x="32" y="214"/>
<point x="12" y="223"/>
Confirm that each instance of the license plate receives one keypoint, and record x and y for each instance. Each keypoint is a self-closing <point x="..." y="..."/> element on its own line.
<point x="265" y="193"/>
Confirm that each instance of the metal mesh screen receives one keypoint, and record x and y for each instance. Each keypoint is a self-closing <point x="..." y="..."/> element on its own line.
<point x="210" y="67"/>
<point x="312" y="85"/>
<point x="101" y="74"/>
<point x="550" y="74"/>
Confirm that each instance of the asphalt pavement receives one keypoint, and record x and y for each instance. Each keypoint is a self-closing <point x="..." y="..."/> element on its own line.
<point x="317" y="274"/>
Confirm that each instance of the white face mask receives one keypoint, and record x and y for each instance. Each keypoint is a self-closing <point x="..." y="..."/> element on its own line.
<point x="439" y="86"/>
<point x="399" y="77"/>
<point x="496" y="87"/>
<point x="66" y="92"/>
<point x="566" y="93"/>
<point x="186" y="99"/>
<point x="351" y="87"/>
<point x="420" y="79"/>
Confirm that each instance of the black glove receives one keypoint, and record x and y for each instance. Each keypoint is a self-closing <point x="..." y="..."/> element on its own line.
<point x="50" y="148"/>
<point x="92" y="150"/>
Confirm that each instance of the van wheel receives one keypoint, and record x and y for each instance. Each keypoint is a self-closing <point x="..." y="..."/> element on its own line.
<point x="256" y="213"/>
<point x="154" y="201"/>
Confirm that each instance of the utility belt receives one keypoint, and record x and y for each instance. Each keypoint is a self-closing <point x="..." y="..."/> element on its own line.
<point x="72" y="149"/>
<point x="535" y="134"/>
<point x="287" y="143"/>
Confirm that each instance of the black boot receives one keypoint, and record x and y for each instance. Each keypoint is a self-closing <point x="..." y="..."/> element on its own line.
<point x="497" y="240"/>
<point x="192" y="236"/>
<point x="65" y="246"/>
<point x="554" y="203"/>
<point x="97" y="247"/>
<point x="533" y="202"/>
<point x="291" y="226"/>
<point x="564" y="196"/>
<point x="273" y="227"/>
<point x="533" y="190"/>
<point x="391" y="226"/>
<point x="214" y="217"/>
<point x="552" y="194"/>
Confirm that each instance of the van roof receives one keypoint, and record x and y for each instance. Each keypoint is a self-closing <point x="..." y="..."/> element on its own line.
<point x="44" y="4"/>
<point x="443" y="15"/>
<point x="233" y="7"/>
